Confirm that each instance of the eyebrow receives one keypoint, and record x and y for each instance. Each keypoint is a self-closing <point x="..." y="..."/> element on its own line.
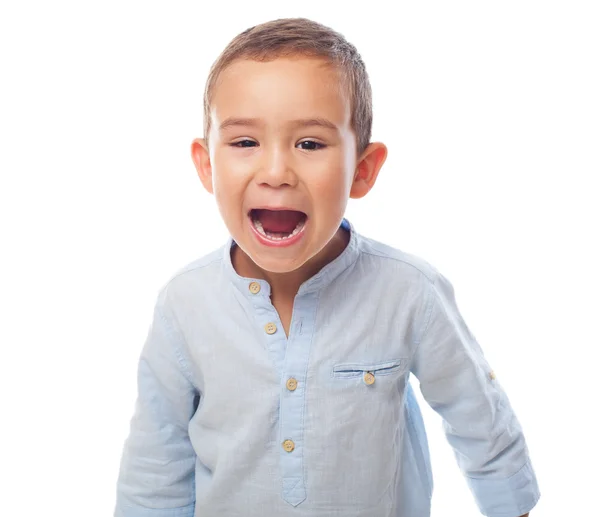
<point x="300" y="123"/>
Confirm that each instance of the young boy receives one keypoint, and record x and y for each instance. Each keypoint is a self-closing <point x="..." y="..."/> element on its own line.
<point x="274" y="378"/>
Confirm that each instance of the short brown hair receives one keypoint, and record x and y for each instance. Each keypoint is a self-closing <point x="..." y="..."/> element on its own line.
<point x="301" y="37"/>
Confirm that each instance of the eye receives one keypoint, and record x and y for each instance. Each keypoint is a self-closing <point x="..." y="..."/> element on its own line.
<point x="244" y="143"/>
<point x="310" y="145"/>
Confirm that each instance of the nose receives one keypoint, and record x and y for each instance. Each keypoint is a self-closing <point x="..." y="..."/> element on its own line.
<point x="276" y="169"/>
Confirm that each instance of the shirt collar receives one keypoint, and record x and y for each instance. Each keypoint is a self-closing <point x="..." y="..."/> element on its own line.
<point x="323" y="278"/>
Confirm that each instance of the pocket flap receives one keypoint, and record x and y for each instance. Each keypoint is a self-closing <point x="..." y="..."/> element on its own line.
<point x="356" y="369"/>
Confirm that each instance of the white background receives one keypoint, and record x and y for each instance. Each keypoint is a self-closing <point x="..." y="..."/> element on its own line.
<point x="491" y="113"/>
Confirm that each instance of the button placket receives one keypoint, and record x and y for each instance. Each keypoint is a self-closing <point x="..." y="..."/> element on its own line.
<point x="290" y="357"/>
<point x="292" y="401"/>
<point x="258" y="294"/>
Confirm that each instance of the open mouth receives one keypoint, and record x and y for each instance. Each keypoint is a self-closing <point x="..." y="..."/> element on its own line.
<point x="278" y="225"/>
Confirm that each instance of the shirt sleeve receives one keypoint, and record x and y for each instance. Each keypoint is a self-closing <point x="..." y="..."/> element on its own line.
<point x="156" y="477"/>
<point x="479" y="423"/>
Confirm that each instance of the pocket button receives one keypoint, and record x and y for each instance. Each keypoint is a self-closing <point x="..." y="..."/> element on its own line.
<point x="369" y="378"/>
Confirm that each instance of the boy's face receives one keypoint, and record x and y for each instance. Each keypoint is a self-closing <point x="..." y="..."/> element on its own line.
<point x="281" y="138"/>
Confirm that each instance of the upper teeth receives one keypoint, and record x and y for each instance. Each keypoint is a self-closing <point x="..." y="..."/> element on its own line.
<point x="258" y="225"/>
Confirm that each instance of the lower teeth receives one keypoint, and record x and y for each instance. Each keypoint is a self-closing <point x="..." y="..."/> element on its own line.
<point x="277" y="236"/>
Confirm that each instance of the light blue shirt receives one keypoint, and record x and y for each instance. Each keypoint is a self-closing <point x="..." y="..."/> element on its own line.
<point x="233" y="418"/>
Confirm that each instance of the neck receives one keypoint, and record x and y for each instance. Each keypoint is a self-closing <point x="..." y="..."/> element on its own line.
<point x="286" y="285"/>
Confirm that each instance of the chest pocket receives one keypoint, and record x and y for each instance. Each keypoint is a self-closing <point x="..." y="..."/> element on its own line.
<point x="369" y="372"/>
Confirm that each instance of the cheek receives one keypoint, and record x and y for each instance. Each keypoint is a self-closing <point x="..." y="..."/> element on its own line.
<point x="225" y="190"/>
<point x="333" y="181"/>
<point x="233" y="165"/>
<point x="226" y="176"/>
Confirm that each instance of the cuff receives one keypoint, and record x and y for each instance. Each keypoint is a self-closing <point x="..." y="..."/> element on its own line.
<point x="509" y="497"/>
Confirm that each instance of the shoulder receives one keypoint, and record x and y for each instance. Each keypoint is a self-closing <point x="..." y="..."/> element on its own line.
<point x="383" y="258"/>
<point x="201" y="266"/>
<point x="403" y="273"/>
<point x="201" y="275"/>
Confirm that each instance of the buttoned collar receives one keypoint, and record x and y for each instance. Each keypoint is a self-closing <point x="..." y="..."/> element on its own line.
<point x="259" y="287"/>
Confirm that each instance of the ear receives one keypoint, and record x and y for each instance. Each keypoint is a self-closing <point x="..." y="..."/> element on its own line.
<point x="367" y="169"/>
<point x="201" y="159"/>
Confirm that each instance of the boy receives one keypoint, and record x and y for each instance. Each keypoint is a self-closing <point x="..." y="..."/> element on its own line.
<point x="274" y="378"/>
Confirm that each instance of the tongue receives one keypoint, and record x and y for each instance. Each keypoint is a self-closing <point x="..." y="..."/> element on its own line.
<point x="279" y="221"/>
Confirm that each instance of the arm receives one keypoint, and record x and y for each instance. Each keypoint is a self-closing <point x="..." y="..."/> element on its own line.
<point x="479" y="422"/>
<point x="156" y="477"/>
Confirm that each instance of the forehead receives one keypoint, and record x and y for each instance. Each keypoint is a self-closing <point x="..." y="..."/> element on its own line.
<point x="279" y="90"/>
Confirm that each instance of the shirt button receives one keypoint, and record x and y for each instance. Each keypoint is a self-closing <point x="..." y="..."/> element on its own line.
<point x="369" y="378"/>
<point x="270" y="328"/>
<point x="254" y="287"/>
<point x="288" y="446"/>
<point x="291" y="384"/>
<point x="492" y="375"/>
